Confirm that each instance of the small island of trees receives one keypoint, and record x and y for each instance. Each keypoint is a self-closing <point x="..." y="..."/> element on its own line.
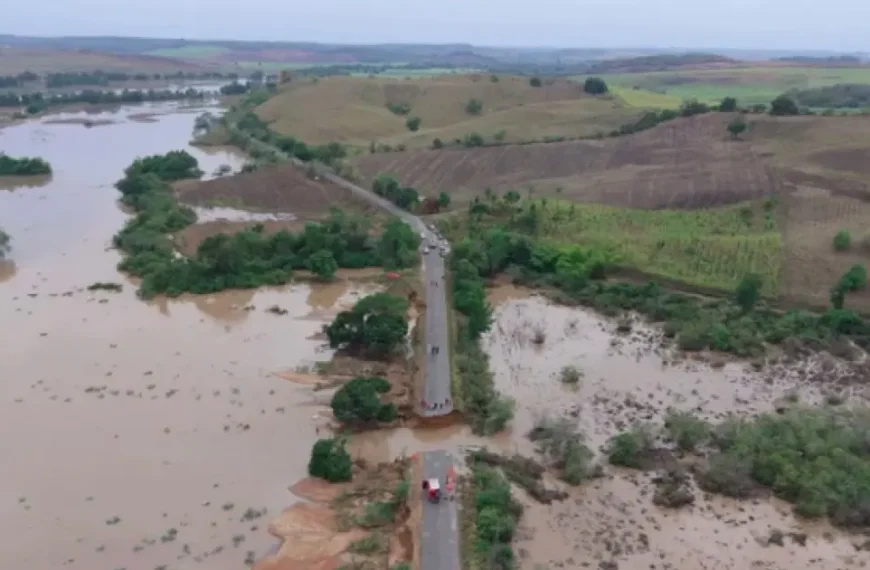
<point x="24" y="166"/>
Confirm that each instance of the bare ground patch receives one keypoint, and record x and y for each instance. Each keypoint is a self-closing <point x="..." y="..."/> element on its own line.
<point x="276" y="188"/>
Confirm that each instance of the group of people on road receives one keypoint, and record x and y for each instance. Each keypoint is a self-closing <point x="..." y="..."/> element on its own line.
<point x="435" y="349"/>
<point x="435" y="405"/>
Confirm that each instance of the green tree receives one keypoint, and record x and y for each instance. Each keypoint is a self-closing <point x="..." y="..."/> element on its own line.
<point x="322" y="263"/>
<point x="25" y="166"/>
<point x="331" y="461"/>
<point x="737" y="127"/>
<point x="748" y="292"/>
<point x="843" y="240"/>
<point x="358" y="402"/>
<point x="437" y="144"/>
<point x="535" y="82"/>
<point x="474" y="106"/>
<point x="595" y="86"/>
<point x="473" y="140"/>
<point x="397" y="247"/>
<point x="413" y="124"/>
<point x="377" y="325"/>
<point x="728" y="105"/>
<point x="783" y="105"/>
<point x="385" y="184"/>
<point x="443" y="200"/>
<point x="4" y="244"/>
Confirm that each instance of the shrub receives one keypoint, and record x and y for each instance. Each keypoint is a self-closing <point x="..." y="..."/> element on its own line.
<point x="474" y="106"/>
<point x="595" y="86"/>
<point x="563" y="446"/>
<point x="687" y="431"/>
<point x="331" y="461"/>
<point x="748" y="292"/>
<point x="784" y="105"/>
<point x="727" y="475"/>
<point x="570" y="375"/>
<point x="843" y="240"/>
<point x="737" y="127"/>
<point x="437" y="143"/>
<point x="728" y="104"/>
<point x="473" y="140"/>
<point x="413" y="124"/>
<point x="535" y="82"/>
<point x="630" y="448"/>
<point x="400" y="109"/>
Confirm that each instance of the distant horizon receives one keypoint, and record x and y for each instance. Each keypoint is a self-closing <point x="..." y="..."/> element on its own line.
<point x="682" y="49"/>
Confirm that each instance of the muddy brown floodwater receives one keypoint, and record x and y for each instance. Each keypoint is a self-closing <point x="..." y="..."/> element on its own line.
<point x="627" y="379"/>
<point x="137" y="435"/>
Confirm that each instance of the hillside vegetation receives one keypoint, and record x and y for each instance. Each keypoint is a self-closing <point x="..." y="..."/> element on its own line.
<point x="360" y="111"/>
<point x="841" y="96"/>
<point x="662" y="62"/>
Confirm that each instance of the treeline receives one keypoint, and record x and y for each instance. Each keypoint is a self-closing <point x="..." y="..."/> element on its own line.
<point x="247" y="259"/>
<point x="842" y="96"/>
<point x="38" y="102"/>
<point x="99" y="78"/>
<point x="248" y="124"/>
<point x="741" y="325"/>
<point x="25" y="166"/>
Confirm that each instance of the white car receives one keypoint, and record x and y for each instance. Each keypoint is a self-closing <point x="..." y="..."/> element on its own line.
<point x="425" y="249"/>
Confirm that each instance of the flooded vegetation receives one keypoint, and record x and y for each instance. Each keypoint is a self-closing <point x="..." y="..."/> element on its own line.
<point x="605" y="377"/>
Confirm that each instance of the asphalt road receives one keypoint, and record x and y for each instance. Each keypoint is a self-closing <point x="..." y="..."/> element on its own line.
<point x="439" y="548"/>
<point x="440" y="530"/>
<point x="437" y="387"/>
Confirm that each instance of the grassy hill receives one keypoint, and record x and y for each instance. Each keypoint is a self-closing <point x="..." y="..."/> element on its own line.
<point x="356" y="110"/>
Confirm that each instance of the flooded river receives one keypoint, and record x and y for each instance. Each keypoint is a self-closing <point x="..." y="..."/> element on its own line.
<point x="137" y="435"/>
<point x="159" y="435"/>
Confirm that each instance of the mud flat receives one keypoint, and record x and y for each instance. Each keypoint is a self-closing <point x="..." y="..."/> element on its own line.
<point x="139" y="435"/>
<point x="626" y="378"/>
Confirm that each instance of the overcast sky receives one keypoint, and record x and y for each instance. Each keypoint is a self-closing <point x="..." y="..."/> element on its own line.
<point x="775" y="24"/>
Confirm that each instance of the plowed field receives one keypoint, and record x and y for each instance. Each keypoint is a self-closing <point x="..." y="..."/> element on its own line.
<point x="687" y="163"/>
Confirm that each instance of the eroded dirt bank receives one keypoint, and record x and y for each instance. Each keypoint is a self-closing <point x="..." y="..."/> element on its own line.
<point x="625" y="379"/>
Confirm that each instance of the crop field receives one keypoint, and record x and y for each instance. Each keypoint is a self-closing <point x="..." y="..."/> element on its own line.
<point x="688" y="163"/>
<point x="644" y="99"/>
<point x="354" y="110"/>
<point x="755" y="84"/>
<point x="713" y="248"/>
<point x="14" y="61"/>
